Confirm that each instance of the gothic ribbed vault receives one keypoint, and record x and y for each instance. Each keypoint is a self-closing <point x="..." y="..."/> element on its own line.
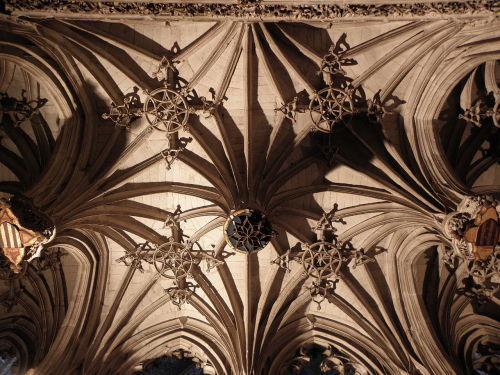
<point x="361" y="154"/>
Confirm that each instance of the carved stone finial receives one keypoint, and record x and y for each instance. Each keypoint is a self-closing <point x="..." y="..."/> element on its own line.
<point x="174" y="147"/>
<point x="480" y="111"/>
<point x="122" y="115"/>
<point x="289" y="109"/>
<point x="134" y="257"/>
<point x="180" y="296"/>
<point x="165" y="70"/>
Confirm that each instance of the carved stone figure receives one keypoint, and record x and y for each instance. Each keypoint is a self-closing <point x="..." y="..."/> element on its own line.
<point x="475" y="227"/>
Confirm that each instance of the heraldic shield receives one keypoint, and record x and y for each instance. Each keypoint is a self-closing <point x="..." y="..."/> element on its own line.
<point x="15" y="238"/>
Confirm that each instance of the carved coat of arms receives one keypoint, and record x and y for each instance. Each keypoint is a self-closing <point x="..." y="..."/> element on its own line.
<point x="15" y="238"/>
<point x="475" y="227"/>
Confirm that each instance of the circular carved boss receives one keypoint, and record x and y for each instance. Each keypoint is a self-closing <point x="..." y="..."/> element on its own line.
<point x="247" y="230"/>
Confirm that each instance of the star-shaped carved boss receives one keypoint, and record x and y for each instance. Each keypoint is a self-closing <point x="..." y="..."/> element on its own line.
<point x="248" y="230"/>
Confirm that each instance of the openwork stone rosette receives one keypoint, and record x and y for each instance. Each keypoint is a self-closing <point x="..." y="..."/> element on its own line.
<point x="166" y="110"/>
<point x="247" y="230"/>
<point x="173" y="260"/>
<point x="323" y="260"/>
<point x="330" y="106"/>
<point x="338" y="100"/>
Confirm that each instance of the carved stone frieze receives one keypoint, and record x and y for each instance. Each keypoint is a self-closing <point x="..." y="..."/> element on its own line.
<point x="259" y="9"/>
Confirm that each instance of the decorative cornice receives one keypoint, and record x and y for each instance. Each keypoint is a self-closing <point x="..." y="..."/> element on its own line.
<point x="256" y="9"/>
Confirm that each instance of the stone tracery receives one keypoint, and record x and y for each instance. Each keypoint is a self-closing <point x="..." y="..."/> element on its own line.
<point x="113" y="202"/>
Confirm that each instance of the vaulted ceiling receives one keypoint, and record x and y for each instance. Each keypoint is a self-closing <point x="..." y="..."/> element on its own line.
<point x="363" y="136"/>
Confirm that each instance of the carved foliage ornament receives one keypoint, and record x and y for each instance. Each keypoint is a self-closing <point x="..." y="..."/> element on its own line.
<point x="474" y="231"/>
<point x="21" y="109"/>
<point x="480" y="97"/>
<point x="250" y="9"/>
<point x="24" y="230"/>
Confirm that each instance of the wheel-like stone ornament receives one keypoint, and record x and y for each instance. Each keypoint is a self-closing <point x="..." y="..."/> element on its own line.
<point x="322" y="260"/>
<point x="166" y="110"/>
<point x="330" y="106"/>
<point x="173" y="260"/>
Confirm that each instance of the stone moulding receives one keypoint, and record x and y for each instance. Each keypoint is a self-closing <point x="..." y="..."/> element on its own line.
<point x="256" y="9"/>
